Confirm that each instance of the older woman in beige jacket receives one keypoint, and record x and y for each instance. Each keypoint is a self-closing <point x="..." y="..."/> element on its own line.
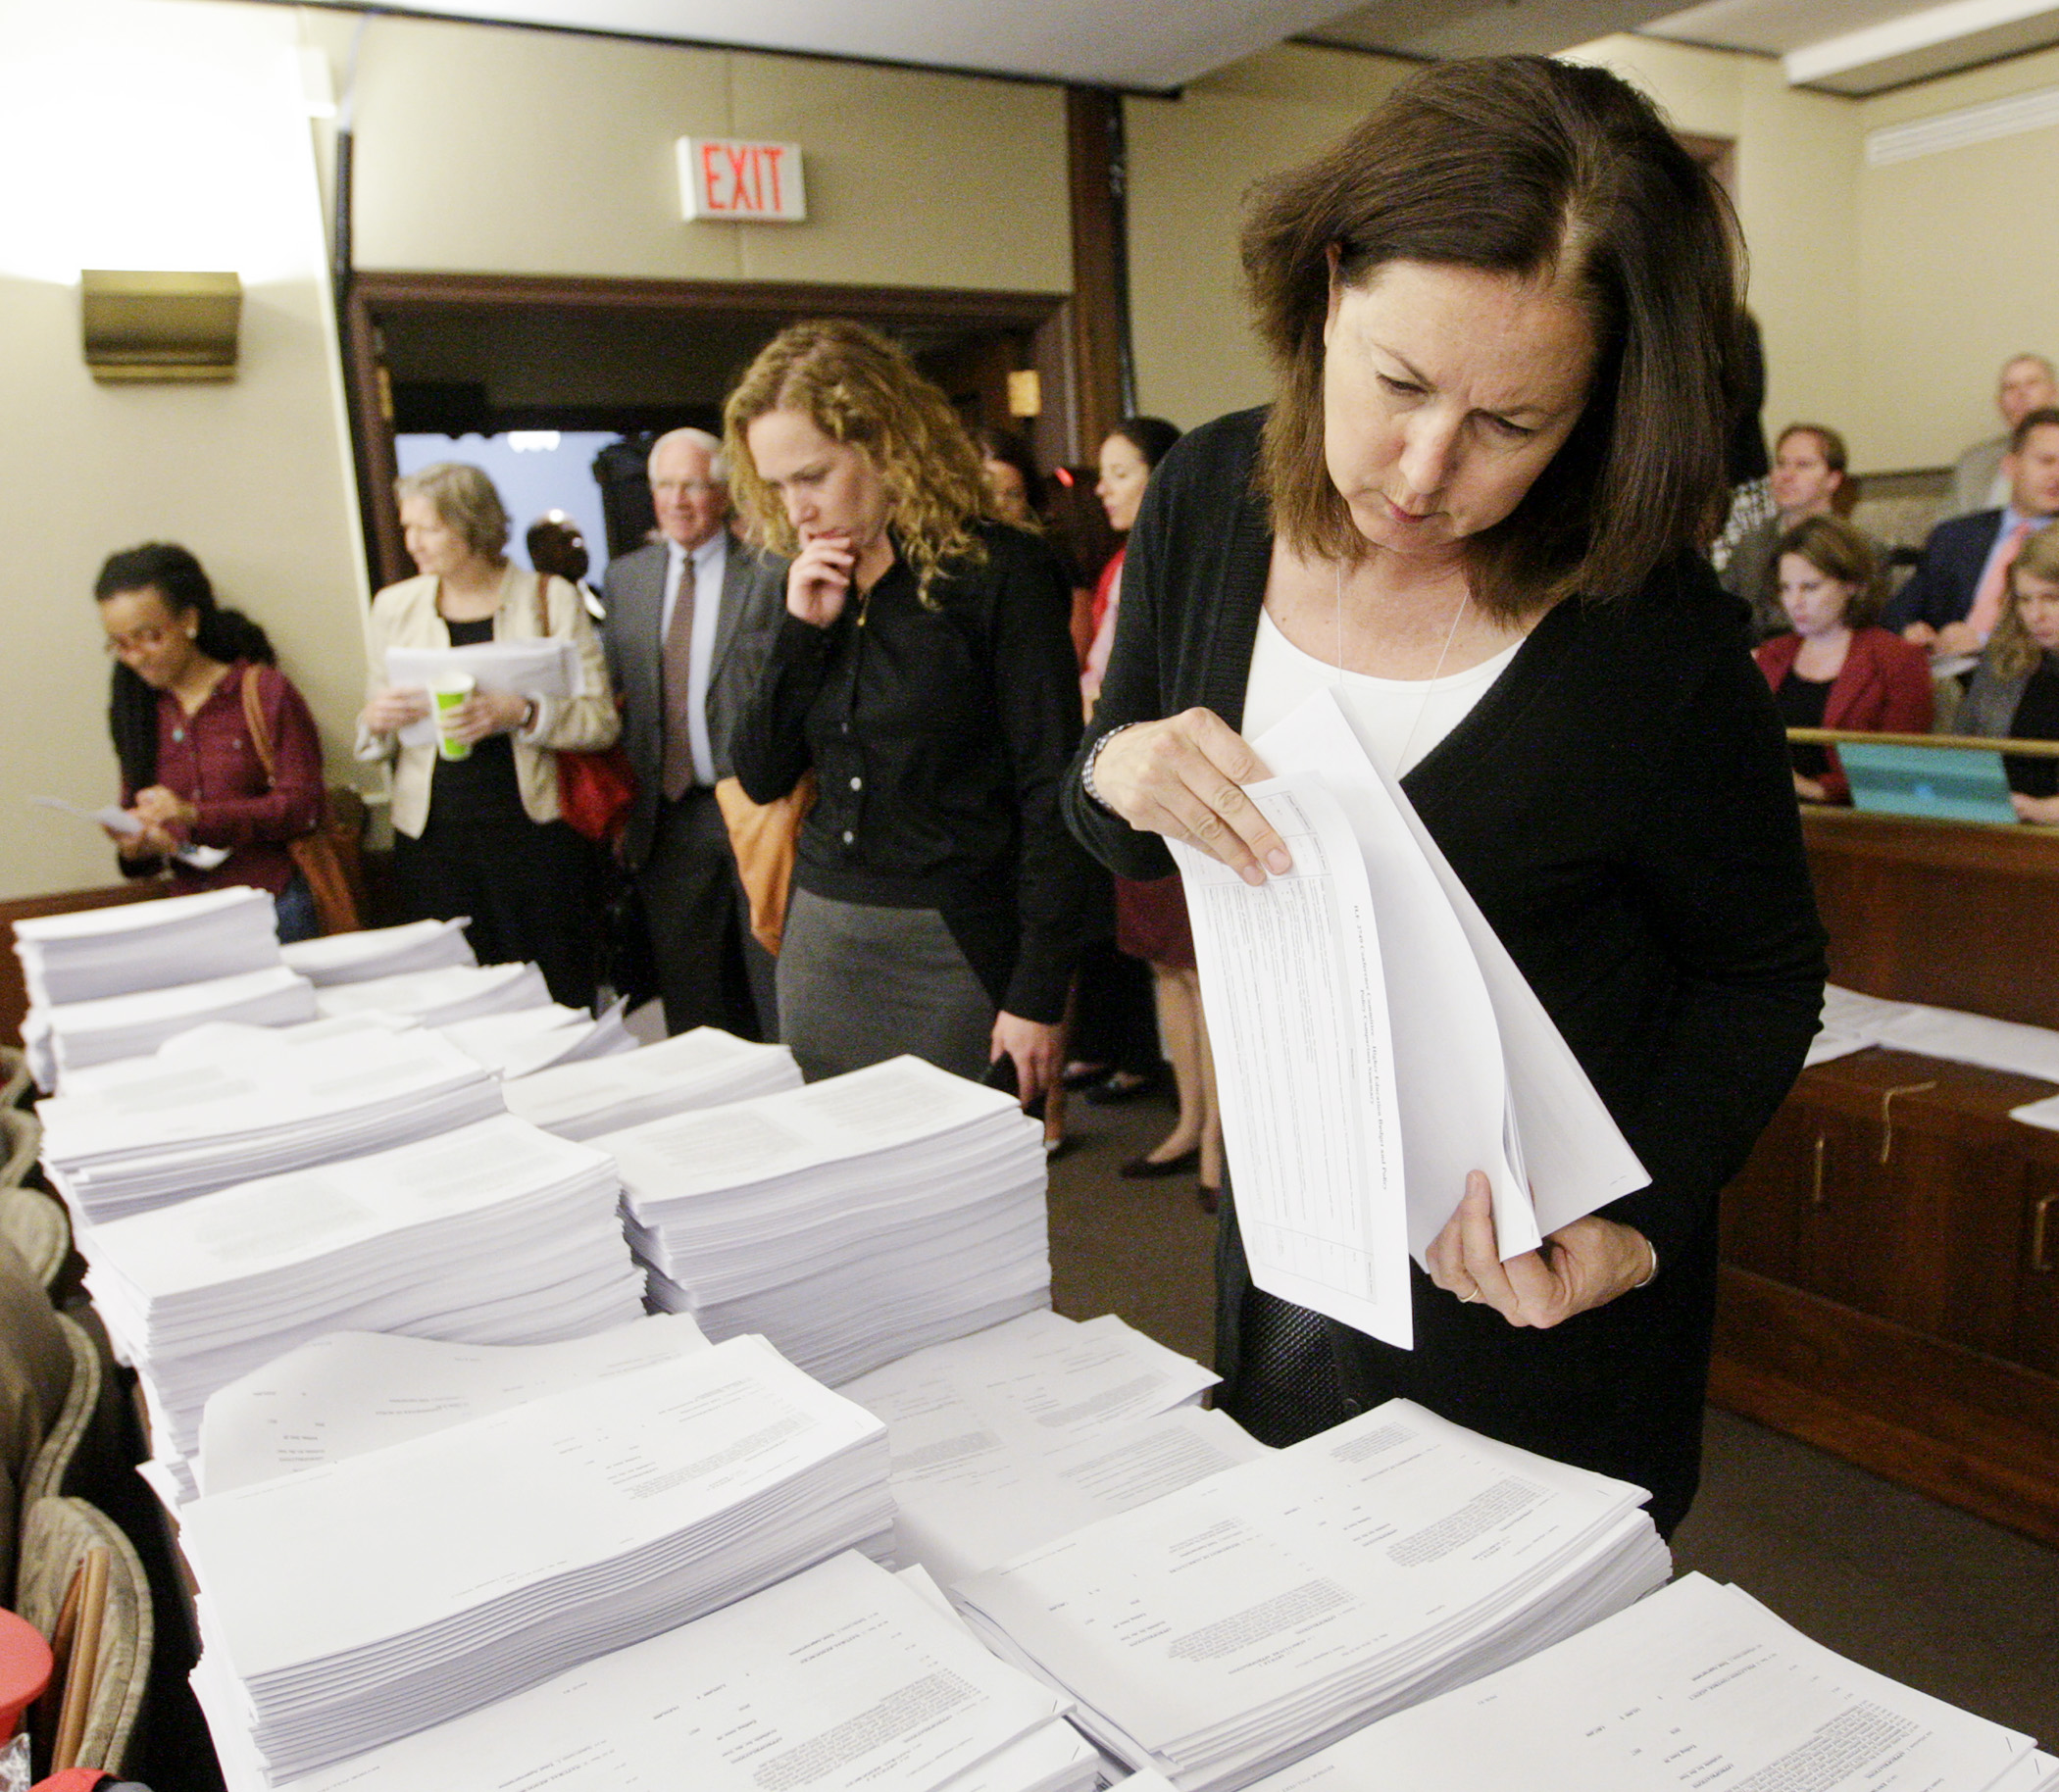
<point x="480" y="835"/>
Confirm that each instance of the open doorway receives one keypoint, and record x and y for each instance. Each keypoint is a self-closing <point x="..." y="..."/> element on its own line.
<point x="614" y="363"/>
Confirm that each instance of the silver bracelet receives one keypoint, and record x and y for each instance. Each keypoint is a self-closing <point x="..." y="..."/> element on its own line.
<point x="1086" y="772"/>
<point x="1651" y="1272"/>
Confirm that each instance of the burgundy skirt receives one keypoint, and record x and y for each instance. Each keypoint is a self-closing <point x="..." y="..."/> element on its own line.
<point x="1151" y="923"/>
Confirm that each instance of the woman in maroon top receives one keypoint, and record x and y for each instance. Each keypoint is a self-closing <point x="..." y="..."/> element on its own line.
<point x="191" y="775"/>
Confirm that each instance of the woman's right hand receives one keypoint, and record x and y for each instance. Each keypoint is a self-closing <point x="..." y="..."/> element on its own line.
<point x="392" y="708"/>
<point x="150" y="843"/>
<point x="1183" y="777"/>
<point x="820" y="580"/>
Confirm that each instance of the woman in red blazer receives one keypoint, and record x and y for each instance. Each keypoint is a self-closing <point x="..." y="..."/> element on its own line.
<point x="1838" y="670"/>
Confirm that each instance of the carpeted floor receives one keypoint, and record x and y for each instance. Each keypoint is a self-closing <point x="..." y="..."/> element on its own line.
<point x="1916" y="1590"/>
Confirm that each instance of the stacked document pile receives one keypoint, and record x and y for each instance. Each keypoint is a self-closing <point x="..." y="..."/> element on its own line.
<point x="379" y="952"/>
<point x="701" y="1068"/>
<point x="1017" y="1435"/>
<point x="1229" y="1629"/>
<point x="146" y="945"/>
<point x="533" y="1039"/>
<point x="495" y="1233"/>
<point x="352" y="1392"/>
<point x="440" y="997"/>
<point x="845" y="1677"/>
<point x="236" y="1104"/>
<point x="1698" y="1685"/>
<point x="851" y="1221"/>
<point x="79" y="1034"/>
<point x="358" y="1603"/>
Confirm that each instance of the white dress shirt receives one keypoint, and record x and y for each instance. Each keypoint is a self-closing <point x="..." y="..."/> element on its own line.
<point x="710" y="562"/>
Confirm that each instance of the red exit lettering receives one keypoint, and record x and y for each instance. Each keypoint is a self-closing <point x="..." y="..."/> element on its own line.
<point x="743" y="178"/>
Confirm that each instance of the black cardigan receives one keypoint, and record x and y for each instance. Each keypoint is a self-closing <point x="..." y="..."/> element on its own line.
<point x="1619" y="804"/>
<point x="939" y="735"/>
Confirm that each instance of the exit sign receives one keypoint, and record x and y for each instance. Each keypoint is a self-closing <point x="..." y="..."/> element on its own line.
<point x="723" y="177"/>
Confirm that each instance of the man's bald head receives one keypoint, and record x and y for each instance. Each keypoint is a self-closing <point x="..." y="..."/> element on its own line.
<point x="2027" y="384"/>
<point x="690" y="485"/>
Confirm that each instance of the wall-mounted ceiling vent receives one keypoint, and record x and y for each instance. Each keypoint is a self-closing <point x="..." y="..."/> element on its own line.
<point x="1930" y="136"/>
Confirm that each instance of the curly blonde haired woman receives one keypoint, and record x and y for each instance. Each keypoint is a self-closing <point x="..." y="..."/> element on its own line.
<point x="925" y="671"/>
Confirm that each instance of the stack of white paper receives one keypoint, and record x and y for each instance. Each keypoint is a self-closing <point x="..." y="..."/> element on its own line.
<point x="379" y="952"/>
<point x="145" y="945"/>
<point x="844" y="1678"/>
<point x="1229" y="1629"/>
<point x="352" y="1392"/>
<point x="440" y="997"/>
<point x="538" y="667"/>
<point x="703" y="1068"/>
<point x="1017" y="1435"/>
<point x="495" y="1233"/>
<point x="1377" y="1043"/>
<point x="528" y="1040"/>
<point x="361" y="1602"/>
<point x="1698" y="1685"/>
<point x="158" y="1131"/>
<point x="69" y="1036"/>
<point x="851" y="1221"/>
<point x="1851" y="1022"/>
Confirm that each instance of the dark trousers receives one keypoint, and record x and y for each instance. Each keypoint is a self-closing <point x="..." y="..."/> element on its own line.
<point x="528" y="886"/>
<point x="711" y="972"/>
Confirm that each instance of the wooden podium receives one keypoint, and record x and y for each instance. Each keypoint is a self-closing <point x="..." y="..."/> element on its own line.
<point x="1890" y="1280"/>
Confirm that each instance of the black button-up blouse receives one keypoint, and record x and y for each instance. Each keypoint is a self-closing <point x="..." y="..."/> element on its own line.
<point x="939" y="734"/>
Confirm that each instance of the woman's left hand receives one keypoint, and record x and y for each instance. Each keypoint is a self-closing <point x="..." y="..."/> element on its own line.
<point x="2043" y="809"/>
<point x="1585" y="1264"/>
<point x="1808" y="789"/>
<point x="157" y="807"/>
<point x="1033" y="1046"/>
<point x="485" y="713"/>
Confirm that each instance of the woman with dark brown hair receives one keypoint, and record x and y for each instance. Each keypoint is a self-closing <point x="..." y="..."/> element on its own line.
<point x="1837" y="667"/>
<point x="1472" y="513"/>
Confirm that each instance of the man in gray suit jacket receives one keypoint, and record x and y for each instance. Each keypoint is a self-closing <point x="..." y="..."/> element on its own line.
<point x="690" y="622"/>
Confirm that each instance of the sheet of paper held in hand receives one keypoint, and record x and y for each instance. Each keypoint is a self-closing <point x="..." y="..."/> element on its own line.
<point x="540" y="668"/>
<point x="1376" y="1042"/>
<point x="117" y="820"/>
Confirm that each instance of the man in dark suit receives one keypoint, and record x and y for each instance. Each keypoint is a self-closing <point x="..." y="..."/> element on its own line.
<point x="690" y="622"/>
<point x="1953" y="597"/>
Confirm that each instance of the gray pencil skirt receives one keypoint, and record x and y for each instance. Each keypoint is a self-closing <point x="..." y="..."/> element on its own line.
<point x="860" y="983"/>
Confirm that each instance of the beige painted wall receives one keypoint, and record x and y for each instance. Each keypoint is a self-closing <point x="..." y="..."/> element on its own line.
<point x="1191" y="162"/>
<point x="484" y="149"/>
<point x="158" y="134"/>
<point x="1959" y="263"/>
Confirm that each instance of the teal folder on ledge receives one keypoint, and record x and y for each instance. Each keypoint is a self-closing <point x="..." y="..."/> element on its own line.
<point x="1945" y="783"/>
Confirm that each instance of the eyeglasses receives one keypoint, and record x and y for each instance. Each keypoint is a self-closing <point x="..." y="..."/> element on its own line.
<point x="137" y="641"/>
<point x="691" y="488"/>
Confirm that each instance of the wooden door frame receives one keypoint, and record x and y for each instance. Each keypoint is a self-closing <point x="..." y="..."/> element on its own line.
<point x="1046" y="317"/>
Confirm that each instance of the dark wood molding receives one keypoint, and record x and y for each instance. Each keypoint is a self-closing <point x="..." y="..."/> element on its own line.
<point x="1044" y="318"/>
<point x="1966" y="1428"/>
<point x="1101" y="349"/>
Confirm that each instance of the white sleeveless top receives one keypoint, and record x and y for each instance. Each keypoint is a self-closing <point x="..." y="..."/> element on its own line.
<point x="1397" y="721"/>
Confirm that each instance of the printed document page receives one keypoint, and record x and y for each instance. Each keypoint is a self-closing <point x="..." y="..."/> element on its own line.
<point x="1293" y="979"/>
<point x="1698" y="1685"/>
<point x="536" y="667"/>
<point x="1571" y="1154"/>
<point x="353" y="1391"/>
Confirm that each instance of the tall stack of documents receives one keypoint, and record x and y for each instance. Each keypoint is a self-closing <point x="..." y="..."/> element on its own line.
<point x="105" y="983"/>
<point x="495" y="1233"/>
<point x="374" y="1597"/>
<point x="442" y="996"/>
<point x="852" y="1222"/>
<point x="146" y="945"/>
<point x="843" y="1677"/>
<point x="1017" y="1435"/>
<point x="237" y="1105"/>
<point x="702" y="1068"/>
<point x="1227" y="1630"/>
<point x="1699" y="1685"/>
<point x="379" y="952"/>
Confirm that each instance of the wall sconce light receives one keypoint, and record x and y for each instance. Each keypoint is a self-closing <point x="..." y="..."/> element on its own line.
<point x="157" y="327"/>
